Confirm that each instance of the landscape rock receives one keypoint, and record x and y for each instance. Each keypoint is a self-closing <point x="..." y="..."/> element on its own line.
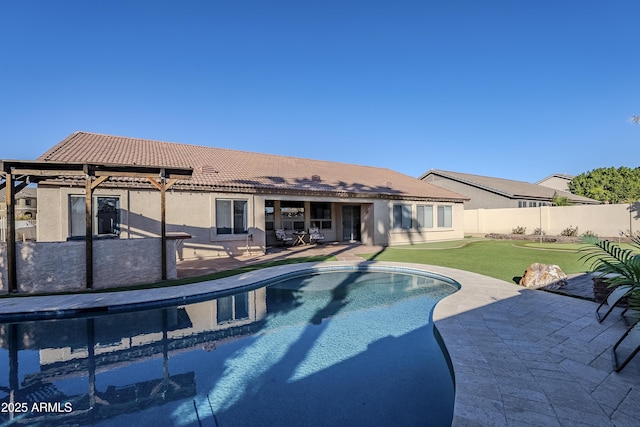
<point x="545" y="276"/>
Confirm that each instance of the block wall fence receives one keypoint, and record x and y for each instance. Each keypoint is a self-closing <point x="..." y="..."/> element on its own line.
<point x="606" y="221"/>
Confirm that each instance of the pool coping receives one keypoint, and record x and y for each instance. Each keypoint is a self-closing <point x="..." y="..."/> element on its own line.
<point x="520" y="356"/>
<point x="26" y="308"/>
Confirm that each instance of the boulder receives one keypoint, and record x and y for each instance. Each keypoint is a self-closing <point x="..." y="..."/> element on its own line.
<point x="543" y="276"/>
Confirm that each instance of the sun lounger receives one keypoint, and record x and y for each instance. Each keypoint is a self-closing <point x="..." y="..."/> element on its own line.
<point x="612" y="300"/>
<point x="631" y="343"/>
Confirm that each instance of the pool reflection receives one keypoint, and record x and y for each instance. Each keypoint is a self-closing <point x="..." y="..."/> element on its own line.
<point x="305" y="345"/>
<point x="80" y="350"/>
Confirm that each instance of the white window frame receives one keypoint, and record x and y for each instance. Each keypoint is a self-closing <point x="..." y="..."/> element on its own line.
<point x="81" y="226"/>
<point x="322" y="222"/>
<point x="445" y="216"/>
<point x="230" y="215"/>
<point x="424" y="216"/>
<point x="405" y="220"/>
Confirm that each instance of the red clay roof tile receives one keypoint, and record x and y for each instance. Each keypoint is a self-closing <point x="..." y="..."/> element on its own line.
<point x="219" y="168"/>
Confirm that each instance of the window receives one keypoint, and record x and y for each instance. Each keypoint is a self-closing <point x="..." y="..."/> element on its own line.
<point x="77" y="214"/>
<point x="532" y="204"/>
<point x="292" y="215"/>
<point x="402" y="216"/>
<point x="27" y="202"/>
<point x="321" y="215"/>
<point x="233" y="307"/>
<point x="425" y="216"/>
<point x="269" y="214"/>
<point x="444" y="216"/>
<point x="107" y="215"/>
<point x="522" y="204"/>
<point x="231" y="216"/>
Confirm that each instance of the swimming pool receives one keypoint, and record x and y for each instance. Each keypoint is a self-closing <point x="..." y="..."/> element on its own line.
<point x="341" y="346"/>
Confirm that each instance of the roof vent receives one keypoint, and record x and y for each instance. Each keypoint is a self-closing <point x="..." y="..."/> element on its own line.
<point x="388" y="184"/>
<point x="315" y="178"/>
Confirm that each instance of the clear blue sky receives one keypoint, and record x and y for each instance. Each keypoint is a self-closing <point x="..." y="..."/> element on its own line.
<point x="516" y="89"/>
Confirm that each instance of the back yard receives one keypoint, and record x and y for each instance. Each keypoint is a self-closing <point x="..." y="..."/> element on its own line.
<point x="502" y="259"/>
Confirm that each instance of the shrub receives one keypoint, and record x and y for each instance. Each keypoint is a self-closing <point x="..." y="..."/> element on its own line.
<point x="519" y="230"/>
<point x="588" y="233"/>
<point x="570" y="231"/>
<point x="538" y="231"/>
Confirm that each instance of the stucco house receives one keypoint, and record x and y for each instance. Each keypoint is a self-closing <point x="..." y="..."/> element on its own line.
<point x="26" y="204"/>
<point x="25" y="209"/>
<point x="236" y="199"/>
<point x="485" y="192"/>
<point x="557" y="181"/>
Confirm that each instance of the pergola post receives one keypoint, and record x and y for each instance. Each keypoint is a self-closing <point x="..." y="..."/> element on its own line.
<point x="12" y="277"/>
<point x="163" y="186"/>
<point x="88" y="222"/>
<point x="163" y="222"/>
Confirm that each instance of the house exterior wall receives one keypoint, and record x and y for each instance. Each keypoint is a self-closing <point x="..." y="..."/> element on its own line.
<point x="603" y="220"/>
<point x="140" y="214"/>
<point x="413" y="235"/>
<point x="195" y="213"/>
<point x="556" y="182"/>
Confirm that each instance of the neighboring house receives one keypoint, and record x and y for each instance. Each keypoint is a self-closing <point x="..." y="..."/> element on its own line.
<point x="486" y="192"/>
<point x="26" y="204"/>
<point x="25" y="210"/>
<point x="235" y="200"/>
<point x="557" y="181"/>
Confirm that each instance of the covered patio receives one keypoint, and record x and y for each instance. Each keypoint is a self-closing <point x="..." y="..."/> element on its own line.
<point x="342" y="251"/>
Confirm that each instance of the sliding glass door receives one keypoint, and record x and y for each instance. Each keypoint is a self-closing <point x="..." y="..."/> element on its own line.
<point x="351" y="223"/>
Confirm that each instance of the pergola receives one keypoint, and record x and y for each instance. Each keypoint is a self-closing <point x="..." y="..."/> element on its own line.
<point x="16" y="175"/>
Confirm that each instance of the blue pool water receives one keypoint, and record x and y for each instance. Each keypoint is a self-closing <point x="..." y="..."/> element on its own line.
<point x="336" y="348"/>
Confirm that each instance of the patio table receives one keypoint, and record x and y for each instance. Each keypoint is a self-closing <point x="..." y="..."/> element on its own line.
<point x="299" y="238"/>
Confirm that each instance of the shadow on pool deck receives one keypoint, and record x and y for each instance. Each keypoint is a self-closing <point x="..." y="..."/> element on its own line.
<point x="343" y="252"/>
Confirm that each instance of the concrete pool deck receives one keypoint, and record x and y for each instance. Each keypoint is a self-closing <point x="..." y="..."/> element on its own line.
<point x="521" y="357"/>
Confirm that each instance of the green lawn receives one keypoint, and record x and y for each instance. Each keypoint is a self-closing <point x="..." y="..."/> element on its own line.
<point x="502" y="259"/>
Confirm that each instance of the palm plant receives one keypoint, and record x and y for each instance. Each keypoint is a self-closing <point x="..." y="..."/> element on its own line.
<point x="615" y="265"/>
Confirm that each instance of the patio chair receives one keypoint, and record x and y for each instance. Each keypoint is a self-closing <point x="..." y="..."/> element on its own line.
<point x="314" y="235"/>
<point x="612" y="300"/>
<point x="282" y="237"/>
<point x="631" y="341"/>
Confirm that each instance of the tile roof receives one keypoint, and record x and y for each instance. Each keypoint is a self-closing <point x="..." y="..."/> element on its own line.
<point x="507" y="187"/>
<point x="222" y="169"/>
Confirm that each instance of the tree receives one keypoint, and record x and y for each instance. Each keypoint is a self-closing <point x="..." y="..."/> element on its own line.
<point x="635" y="119"/>
<point x="612" y="185"/>
<point x="561" y="200"/>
